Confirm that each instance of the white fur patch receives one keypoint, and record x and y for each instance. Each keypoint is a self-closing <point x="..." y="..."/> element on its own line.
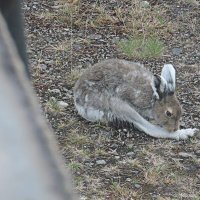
<point x="80" y="109"/>
<point x="169" y="74"/>
<point x="163" y="84"/>
<point x="90" y="83"/>
<point x="86" y="98"/>
<point x="184" y="133"/>
<point x="94" y="115"/>
<point x="90" y="113"/>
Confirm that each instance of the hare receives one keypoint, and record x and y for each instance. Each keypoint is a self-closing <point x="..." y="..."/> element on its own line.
<point x="126" y="91"/>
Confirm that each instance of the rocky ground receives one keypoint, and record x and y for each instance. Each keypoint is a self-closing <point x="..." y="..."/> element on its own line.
<point x="65" y="37"/>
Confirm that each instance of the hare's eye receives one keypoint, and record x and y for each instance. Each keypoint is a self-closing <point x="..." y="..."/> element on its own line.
<point x="168" y="113"/>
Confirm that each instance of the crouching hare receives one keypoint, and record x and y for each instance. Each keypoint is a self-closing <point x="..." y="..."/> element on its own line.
<point x="126" y="91"/>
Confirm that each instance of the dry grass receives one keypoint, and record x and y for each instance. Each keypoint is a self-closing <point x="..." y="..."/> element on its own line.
<point x="60" y="47"/>
<point x="53" y="107"/>
<point x="156" y="168"/>
<point x="146" y="21"/>
<point x="73" y="76"/>
<point x="133" y="18"/>
<point x="119" y="192"/>
<point x="145" y="25"/>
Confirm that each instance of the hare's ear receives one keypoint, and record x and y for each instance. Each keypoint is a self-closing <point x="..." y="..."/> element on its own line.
<point x="160" y="86"/>
<point x="169" y="74"/>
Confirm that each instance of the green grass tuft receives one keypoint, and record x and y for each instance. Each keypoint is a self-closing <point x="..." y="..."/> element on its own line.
<point x="142" y="48"/>
<point x="53" y="106"/>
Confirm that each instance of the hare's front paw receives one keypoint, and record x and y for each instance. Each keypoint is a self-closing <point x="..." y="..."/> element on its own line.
<point x="184" y="133"/>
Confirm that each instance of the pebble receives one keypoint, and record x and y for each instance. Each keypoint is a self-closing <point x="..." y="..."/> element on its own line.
<point x="130" y="146"/>
<point x="137" y="186"/>
<point x="117" y="157"/>
<point x="83" y="198"/>
<point x="50" y="62"/>
<point x="144" y="4"/>
<point x="69" y="93"/>
<point x="52" y="99"/>
<point x="62" y="104"/>
<point x="114" y="146"/>
<point x="130" y="154"/>
<point x="42" y="66"/>
<point x="89" y="164"/>
<point x="56" y="91"/>
<point x="66" y="90"/>
<point x="177" y="51"/>
<point x="198" y="152"/>
<point x="185" y="154"/>
<point x="100" y="162"/>
<point x="135" y="171"/>
<point x="95" y="36"/>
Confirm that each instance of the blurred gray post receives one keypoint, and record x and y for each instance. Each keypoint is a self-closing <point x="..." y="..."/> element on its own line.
<point x="11" y="11"/>
<point x="30" y="167"/>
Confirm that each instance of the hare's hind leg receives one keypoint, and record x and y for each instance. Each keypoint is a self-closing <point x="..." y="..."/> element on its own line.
<point x="90" y="113"/>
<point x="90" y="106"/>
<point x="123" y="111"/>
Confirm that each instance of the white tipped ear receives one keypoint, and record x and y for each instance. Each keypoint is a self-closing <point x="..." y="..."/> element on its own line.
<point x="163" y="84"/>
<point x="169" y="74"/>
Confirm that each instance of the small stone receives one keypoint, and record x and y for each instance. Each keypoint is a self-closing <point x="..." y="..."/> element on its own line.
<point x="130" y="145"/>
<point x="62" y="104"/>
<point x="83" y="198"/>
<point x="128" y="179"/>
<point x="114" y="146"/>
<point x="53" y="99"/>
<point x="116" y="40"/>
<point x="100" y="162"/>
<point x="185" y="154"/>
<point x="177" y="51"/>
<point x="42" y="66"/>
<point x="95" y="36"/>
<point x="69" y="93"/>
<point x="56" y="91"/>
<point x="117" y="157"/>
<point x="183" y="125"/>
<point x="135" y="171"/>
<point x="130" y="154"/>
<point x="125" y="130"/>
<point x="66" y="90"/>
<point x="198" y="152"/>
<point x="50" y="62"/>
<point x="89" y="164"/>
<point x="137" y="186"/>
<point x="144" y="4"/>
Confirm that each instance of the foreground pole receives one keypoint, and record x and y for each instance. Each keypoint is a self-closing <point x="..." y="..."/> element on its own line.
<point x="30" y="167"/>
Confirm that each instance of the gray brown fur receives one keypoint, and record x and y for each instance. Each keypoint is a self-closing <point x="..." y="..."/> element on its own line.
<point x="127" y="91"/>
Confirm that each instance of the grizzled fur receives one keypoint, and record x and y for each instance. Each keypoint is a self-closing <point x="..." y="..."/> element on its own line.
<point x="126" y="91"/>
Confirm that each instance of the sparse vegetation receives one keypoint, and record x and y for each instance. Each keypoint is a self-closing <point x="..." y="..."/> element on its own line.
<point x="53" y="107"/>
<point x="142" y="48"/>
<point x="67" y="36"/>
<point x="73" y="76"/>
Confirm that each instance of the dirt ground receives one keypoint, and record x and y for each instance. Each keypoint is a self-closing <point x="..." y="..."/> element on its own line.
<point x="65" y="37"/>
